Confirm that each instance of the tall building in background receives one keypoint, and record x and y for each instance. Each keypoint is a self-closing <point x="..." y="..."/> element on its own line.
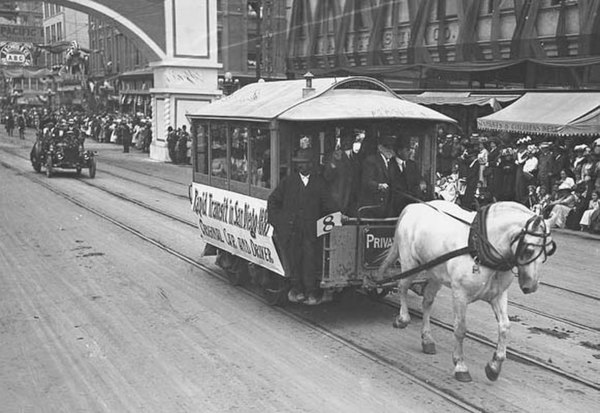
<point x="64" y="25"/>
<point x="251" y="36"/>
<point x="119" y="70"/>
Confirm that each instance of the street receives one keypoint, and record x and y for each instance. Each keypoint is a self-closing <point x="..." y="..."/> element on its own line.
<point x="95" y="317"/>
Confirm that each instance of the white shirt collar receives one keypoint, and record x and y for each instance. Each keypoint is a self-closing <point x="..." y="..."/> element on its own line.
<point x="304" y="179"/>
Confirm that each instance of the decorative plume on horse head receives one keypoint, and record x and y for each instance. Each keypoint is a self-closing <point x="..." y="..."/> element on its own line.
<point x="476" y="255"/>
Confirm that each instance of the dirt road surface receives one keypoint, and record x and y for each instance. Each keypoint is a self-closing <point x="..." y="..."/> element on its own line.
<point x="94" y="319"/>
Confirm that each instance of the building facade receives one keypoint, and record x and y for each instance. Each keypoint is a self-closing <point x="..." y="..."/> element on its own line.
<point x="64" y="27"/>
<point x="251" y="37"/>
<point x="21" y="65"/>
<point x="119" y="69"/>
<point x="425" y="44"/>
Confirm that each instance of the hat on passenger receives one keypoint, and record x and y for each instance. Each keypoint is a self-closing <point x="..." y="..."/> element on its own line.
<point x="545" y="145"/>
<point x="581" y="147"/>
<point x="302" y="155"/>
<point x="388" y="141"/>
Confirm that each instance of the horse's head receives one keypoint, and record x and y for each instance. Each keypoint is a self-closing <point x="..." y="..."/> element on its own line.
<point x="532" y="245"/>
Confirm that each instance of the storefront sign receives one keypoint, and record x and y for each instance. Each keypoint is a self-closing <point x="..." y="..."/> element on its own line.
<point x="376" y="243"/>
<point x="20" y="33"/>
<point x="15" y="54"/>
<point x="237" y="224"/>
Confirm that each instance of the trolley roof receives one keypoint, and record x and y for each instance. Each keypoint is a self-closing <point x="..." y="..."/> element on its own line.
<point x="333" y="99"/>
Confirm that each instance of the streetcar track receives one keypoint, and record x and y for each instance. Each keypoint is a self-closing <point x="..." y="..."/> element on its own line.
<point x="512" y="354"/>
<point x="447" y="395"/>
<point x="125" y="198"/>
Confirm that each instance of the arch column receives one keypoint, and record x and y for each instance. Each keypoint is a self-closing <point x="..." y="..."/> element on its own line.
<point x="188" y="77"/>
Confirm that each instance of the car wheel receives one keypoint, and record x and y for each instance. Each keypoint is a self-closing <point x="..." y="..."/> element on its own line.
<point x="93" y="168"/>
<point x="49" y="167"/>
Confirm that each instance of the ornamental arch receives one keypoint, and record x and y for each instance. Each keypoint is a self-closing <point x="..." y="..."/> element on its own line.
<point x="179" y="38"/>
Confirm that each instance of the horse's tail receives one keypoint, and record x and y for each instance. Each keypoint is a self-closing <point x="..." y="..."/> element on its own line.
<point x="392" y="254"/>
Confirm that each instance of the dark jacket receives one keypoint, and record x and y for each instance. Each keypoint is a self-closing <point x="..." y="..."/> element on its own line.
<point x="375" y="172"/>
<point x="405" y="182"/>
<point x="342" y="174"/>
<point x="294" y="209"/>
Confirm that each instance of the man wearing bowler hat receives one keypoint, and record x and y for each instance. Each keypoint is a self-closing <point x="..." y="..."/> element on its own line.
<point x="293" y="208"/>
<point x="376" y="181"/>
<point x="405" y="177"/>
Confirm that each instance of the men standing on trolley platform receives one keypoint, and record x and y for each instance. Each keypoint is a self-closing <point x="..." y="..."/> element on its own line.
<point x="376" y="180"/>
<point x="293" y="208"/>
<point x="342" y="173"/>
<point x="405" y="178"/>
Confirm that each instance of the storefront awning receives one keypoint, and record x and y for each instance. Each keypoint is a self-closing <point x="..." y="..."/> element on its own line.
<point x="554" y="114"/>
<point x="461" y="99"/>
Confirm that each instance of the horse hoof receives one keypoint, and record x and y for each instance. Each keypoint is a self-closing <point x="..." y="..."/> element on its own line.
<point x="428" y="348"/>
<point x="463" y="376"/>
<point x="491" y="373"/>
<point x="399" y="323"/>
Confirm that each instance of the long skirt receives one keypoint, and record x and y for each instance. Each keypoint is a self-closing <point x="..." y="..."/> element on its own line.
<point x="558" y="216"/>
<point x="586" y="218"/>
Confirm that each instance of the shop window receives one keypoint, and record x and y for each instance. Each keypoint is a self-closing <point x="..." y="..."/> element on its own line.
<point x="218" y="151"/>
<point x="260" y="158"/>
<point x="200" y="130"/>
<point x="239" y="154"/>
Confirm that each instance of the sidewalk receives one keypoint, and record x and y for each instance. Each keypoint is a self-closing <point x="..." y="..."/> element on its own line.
<point x="140" y="161"/>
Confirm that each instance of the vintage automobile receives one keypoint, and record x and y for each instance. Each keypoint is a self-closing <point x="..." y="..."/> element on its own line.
<point x="61" y="149"/>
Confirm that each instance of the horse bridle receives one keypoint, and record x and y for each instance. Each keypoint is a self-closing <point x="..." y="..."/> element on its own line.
<point x="545" y="247"/>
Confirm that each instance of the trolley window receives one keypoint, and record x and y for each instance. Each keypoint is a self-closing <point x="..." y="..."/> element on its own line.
<point x="218" y="155"/>
<point x="260" y="157"/>
<point x="200" y="132"/>
<point x="238" y="161"/>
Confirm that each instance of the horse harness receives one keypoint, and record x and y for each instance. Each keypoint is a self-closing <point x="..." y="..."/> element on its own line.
<point x="482" y="250"/>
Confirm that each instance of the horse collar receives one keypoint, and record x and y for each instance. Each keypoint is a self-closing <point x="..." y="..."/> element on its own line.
<point x="480" y="247"/>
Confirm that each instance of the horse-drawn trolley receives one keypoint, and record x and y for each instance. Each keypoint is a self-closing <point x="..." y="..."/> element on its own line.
<point x="244" y="145"/>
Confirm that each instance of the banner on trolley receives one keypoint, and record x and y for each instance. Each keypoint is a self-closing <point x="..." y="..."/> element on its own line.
<point x="237" y="224"/>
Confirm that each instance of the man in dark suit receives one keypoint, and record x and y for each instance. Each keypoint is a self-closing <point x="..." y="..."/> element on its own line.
<point x="376" y="180"/>
<point x="405" y="178"/>
<point x="293" y="208"/>
<point x="342" y="173"/>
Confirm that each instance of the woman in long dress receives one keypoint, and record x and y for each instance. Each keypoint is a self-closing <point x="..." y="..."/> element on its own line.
<point x="561" y="207"/>
<point x="587" y="214"/>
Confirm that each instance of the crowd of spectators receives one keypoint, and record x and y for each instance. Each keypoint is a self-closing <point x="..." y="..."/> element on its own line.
<point x="557" y="178"/>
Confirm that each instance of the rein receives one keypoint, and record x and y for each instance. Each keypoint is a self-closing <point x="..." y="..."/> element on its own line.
<point x="480" y="248"/>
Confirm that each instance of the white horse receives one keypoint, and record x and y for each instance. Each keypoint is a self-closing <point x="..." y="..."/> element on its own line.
<point x="515" y="238"/>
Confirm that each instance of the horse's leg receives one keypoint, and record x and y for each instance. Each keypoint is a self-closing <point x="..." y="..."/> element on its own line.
<point x="431" y="289"/>
<point x="500" y="307"/>
<point x="459" y="304"/>
<point x="403" y="317"/>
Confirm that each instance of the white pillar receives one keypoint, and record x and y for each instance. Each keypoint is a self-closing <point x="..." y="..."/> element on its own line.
<point x="187" y="77"/>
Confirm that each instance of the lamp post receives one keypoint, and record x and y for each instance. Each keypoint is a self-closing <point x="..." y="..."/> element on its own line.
<point x="50" y="94"/>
